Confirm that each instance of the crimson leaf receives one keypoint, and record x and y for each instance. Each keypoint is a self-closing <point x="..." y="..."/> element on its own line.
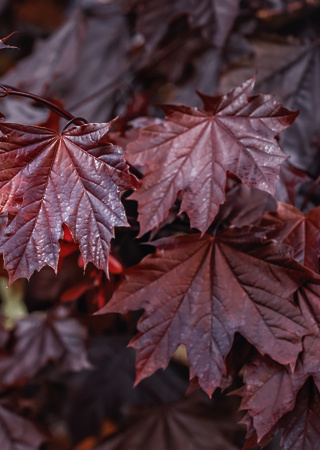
<point x="199" y="292"/>
<point x="269" y="393"/>
<point x="47" y="179"/>
<point x="192" y="151"/>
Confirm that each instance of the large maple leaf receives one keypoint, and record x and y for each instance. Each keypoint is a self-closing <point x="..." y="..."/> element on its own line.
<point x="47" y="179"/>
<point x="192" y="151"/>
<point x="199" y="292"/>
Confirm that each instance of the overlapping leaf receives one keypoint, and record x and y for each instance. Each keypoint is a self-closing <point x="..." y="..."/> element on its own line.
<point x="302" y="232"/>
<point x="213" y="17"/>
<point x="192" y="151"/>
<point x="107" y="390"/>
<point x="301" y="427"/>
<point x="270" y="392"/>
<point x="47" y="179"/>
<point x="188" y="424"/>
<point x="200" y="291"/>
<point x="40" y="339"/>
<point x="271" y="389"/>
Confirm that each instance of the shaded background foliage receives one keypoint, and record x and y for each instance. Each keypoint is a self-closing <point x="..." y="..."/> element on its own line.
<point x="67" y="376"/>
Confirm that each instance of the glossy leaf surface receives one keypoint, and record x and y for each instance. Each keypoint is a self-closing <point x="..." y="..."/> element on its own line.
<point x="48" y="179"/>
<point x="192" y="151"/>
<point x="200" y="291"/>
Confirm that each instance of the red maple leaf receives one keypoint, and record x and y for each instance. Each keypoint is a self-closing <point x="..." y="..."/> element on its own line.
<point x="199" y="292"/>
<point x="48" y="179"/>
<point x="300" y="426"/>
<point x="192" y="151"/>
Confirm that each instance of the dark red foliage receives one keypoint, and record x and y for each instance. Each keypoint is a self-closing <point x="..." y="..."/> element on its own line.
<point x="209" y="271"/>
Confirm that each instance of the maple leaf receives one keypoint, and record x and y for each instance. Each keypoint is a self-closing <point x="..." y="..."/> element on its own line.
<point x="300" y="427"/>
<point x="18" y="433"/>
<point x="40" y="339"/>
<point x="57" y="57"/>
<point x="73" y="56"/>
<point x="199" y="292"/>
<point x="192" y="151"/>
<point x="48" y="179"/>
<point x="302" y="232"/>
<point x="271" y="389"/>
<point x="212" y="17"/>
<point x="269" y="393"/>
<point x="189" y="423"/>
<point x="107" y="390"/>
<point x="205" y="13"/>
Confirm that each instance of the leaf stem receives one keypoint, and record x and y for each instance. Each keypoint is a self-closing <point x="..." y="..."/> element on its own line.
<point x="8" y="90"/>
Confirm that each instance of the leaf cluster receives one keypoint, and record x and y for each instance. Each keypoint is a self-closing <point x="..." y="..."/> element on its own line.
<point x="187" y="228"/>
